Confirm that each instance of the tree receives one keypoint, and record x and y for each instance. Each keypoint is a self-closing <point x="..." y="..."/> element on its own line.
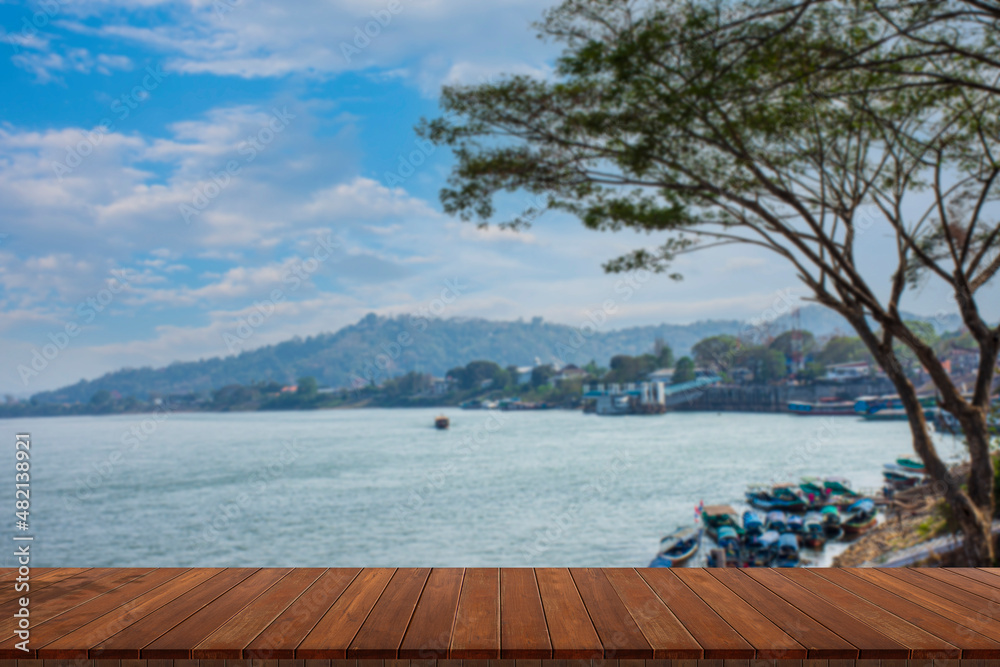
<point x="767" y="365"/>
<point x="540" y="375"/>
<point x="664" y="355"/>
<point x="796" y="128"/>
<point x="790" y="342"/>
<point x="683" y="371"/>
<point x="716" y="352"/>
<point x="307" y="387"/>
<point x="842" y="350"/>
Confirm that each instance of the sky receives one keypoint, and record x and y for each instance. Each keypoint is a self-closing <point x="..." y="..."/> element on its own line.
<point x="173" y="169"/>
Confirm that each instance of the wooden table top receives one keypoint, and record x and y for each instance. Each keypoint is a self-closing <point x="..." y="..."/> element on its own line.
<point x="489" y="613"/>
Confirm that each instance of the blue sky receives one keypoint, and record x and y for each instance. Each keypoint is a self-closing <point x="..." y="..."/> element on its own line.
<point x="212" y="149"/>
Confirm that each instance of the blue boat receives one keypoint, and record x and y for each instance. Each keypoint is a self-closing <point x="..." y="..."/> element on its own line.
<point x="788" y="551"/>
<point x="764" y="549"/>
<point x="678" y="546"/>
<point x="776" y="521"/>
<point x="795" y="524"/>
<point x="782" y="497"/>
<point x="661" y="561"/>
<point x="753" y="525"/>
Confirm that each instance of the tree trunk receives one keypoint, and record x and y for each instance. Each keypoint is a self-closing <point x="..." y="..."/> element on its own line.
<point x="972" y="509"/>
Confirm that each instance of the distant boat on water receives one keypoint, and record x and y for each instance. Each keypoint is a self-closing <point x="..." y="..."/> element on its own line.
<point x="441" y="422"/>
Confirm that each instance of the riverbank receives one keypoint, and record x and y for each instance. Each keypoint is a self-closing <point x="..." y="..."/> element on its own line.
<point x="916" y="531"/>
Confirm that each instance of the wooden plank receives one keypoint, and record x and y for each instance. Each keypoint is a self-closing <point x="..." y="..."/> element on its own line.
<point x="64" y="595"/>
<point x="334" y="632"/>
<point x="571" y="631"/>
<point x="126" y="644"/>
<point x="819" y="641"/>
<point x="523" y="632"/>
<point x="621" y="637"/>
<point x="74" y="645"/>
<point x="973" y="645"/>
<point x="382" y="632"/>
<point x="769" y="641"/>
<point x="977" y="574"/>
<point x="871" y="643"/>
<point x="985" y="626"/>
<point x="430" y="631"/>
<point x="477" y="621"/>
<point x="922" y="644"/>
<point x="36" y="581"/>
<point x="667" y="636"/>
<point x="716" y="637"/>
<point x="52" y="629"/>
<point x="279" y="640"/>
<point x="229" y="639"/>
<point x="177" y="643"/>
<point x="982" y="599"/>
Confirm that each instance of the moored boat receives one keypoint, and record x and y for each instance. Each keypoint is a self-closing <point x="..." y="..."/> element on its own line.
<point x="832" y="529"/>
<point x="823" y="408"/>
<point x="753" y="524"/>
<point x="776" y="521"/>
<point x="779" y="497"/>
<point x="678" y="546"/>
<point x="788" y="551"/>
<point x="814" y="536"/>
<point x="862" y="517"/>
<point x="795" y="524"/>
<point x="715" y="517"/>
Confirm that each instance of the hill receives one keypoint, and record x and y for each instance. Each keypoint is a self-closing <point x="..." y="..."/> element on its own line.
<point x="383" y="347"/>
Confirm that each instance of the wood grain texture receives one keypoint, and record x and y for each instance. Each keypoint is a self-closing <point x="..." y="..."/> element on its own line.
<point x="430" y="631"/>
<point x="524" y="634"/>
<point x="477" y="621"/>
<point x="488" y="617"/>
<point x="334" y="632"/>
<point x="718" y="638"/>
<point x="382" y="632"/>
<point x="279" y="640"/>
<point x="571" y="631"/>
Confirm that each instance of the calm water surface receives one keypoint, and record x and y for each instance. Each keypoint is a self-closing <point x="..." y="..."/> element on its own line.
<point x="382" y="487"/>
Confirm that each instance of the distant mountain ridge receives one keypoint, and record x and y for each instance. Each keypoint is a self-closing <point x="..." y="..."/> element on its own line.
<point x="382" y="347"/>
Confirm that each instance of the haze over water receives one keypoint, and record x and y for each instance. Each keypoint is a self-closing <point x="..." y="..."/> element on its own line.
<point x="383" y="488"/>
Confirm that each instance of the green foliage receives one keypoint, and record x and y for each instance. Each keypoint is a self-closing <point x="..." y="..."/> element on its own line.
<point x="540" y="375"/>
<point x="842" y="350"/>
<point x="307" y="387"/>
<point x="767" y="365"/>
<point x="787" y="342"/>
<point x="683" y="371"/>
<point x="716" y="352"/>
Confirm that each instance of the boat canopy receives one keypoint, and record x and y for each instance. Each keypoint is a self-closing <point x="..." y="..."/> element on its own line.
<point x="864" y="505"/>
<point x="752" y="520"/>
<point x="775" y="515"/>
<point x="814" y="521"/>
<point x="719" y="510"/>
<point x="727" y="533"/>
<point x="769" y="538"/>
<point x="788" y="541"/>
<point x="830" y="509"/>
